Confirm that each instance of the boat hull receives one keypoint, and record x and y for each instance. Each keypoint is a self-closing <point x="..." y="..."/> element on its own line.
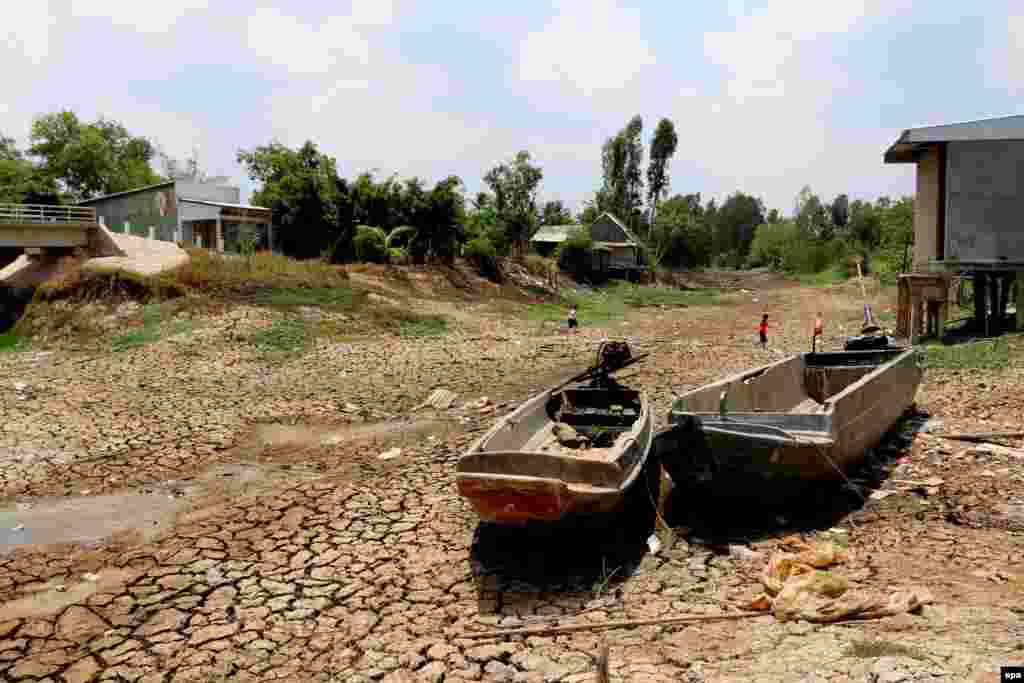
<point x="507" y="478"/>
<point x="754" y="453"/>
<point x="518" y="500"/>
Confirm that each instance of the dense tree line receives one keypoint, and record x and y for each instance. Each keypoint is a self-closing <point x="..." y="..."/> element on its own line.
<point x="320" y="214"/>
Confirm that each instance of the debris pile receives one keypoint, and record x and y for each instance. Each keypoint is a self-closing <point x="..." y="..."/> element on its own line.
<point x="797" y="588"/>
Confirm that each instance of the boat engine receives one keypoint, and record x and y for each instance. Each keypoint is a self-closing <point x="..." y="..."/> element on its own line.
<point x="612" y="356"/>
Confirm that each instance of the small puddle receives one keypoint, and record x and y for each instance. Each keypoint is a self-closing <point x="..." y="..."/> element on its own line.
<point x="85" y="519"/>
<point x="274" y="435"/>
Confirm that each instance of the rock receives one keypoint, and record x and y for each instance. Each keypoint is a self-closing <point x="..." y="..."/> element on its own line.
<point x="886" y="670"/>
<point x="390" y="453"/>
<point x="741" y="552"/>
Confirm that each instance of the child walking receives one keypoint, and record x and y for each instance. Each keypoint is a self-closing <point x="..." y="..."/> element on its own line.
<point x="572" y="318"/>
<point x="763" y="332"/>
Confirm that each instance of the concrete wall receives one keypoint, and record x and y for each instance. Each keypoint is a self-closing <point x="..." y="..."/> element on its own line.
<point x="985" y="201"/>
<point x="926" y="210"/>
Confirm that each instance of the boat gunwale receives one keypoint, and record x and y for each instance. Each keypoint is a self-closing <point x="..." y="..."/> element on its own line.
<point x="830" y="403"/>
<point x="635" y="435"/>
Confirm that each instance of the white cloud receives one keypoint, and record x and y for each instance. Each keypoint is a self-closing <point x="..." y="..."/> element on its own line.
<point x="592" y="48"/>
<point x="144" y="17"/>
<point x="769" y="131"/>
<point x="302" y="48"/>
<point x="1014" y="65"/>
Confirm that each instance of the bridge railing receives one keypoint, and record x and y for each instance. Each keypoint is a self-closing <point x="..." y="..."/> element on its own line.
<point x="21" y="214"/>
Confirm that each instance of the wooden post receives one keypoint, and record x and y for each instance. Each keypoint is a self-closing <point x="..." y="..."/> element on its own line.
<point x="1020" y="302"/>
<point x="993" y="303"/>
<point x="980" y="306"/>
<point x="220" y="235"/>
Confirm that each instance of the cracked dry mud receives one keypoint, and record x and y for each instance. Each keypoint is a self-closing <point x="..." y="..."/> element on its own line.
<point x="288" y="551"/>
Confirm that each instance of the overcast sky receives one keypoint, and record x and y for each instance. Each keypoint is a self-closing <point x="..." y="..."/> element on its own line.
<point x="766" y="97"/>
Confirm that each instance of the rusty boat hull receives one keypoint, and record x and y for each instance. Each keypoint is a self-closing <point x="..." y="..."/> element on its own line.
<point x="517" y="473"/>
<point x="778" y="429"/>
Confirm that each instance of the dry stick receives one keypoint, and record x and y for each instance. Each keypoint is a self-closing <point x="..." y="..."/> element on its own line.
<point x="981" y="436"/>
<point x="572" y="628"/>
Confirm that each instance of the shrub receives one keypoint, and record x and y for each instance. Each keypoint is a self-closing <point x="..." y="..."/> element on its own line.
<point x="370" y="244"/>
<point x="482" y="253"/>
<point x="576" y="253"/>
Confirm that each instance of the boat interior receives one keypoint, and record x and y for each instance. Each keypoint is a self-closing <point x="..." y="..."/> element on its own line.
<point x="601" y="415"/>
<point x="799" y="385"/>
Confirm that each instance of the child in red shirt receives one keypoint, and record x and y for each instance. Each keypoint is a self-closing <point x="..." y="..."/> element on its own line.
<point x="763" y="330"/>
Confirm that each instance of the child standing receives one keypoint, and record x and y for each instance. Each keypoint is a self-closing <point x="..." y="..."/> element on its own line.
<point x="763" y="331"/>
<point x="819" y="330"/>
<point x="572" y="318"/>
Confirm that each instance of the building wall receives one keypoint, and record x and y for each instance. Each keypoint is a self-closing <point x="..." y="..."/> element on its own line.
<point x="985" y="201"/>
<point x="605" y="230"/>
<point x="926" y="210"/>
<point x="622" y="256"/>
<point x="157" y="208"/>
<point x="210" y="191"/>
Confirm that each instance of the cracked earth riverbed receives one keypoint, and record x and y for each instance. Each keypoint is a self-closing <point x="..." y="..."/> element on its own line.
<point x="194" y="511"/>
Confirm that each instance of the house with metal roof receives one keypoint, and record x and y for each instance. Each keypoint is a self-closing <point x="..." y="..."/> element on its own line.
<point x="205" y="213"/>
<point x="610" y="236"/>
<point x="968" y="206"/>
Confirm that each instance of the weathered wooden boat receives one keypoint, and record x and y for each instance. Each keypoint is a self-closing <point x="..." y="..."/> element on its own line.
<point x="777" y="428"/>
<point x="576" y="449"/>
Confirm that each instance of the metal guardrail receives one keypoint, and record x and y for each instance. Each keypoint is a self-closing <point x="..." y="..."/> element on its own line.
<point x="21" y="214"/>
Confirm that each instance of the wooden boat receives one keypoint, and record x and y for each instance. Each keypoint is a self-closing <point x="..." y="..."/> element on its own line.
<point x="775" y="429"/>
<point x="573" y="450"/>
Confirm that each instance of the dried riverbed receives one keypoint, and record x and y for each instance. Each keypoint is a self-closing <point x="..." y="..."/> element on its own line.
<point x="261" y="536"/>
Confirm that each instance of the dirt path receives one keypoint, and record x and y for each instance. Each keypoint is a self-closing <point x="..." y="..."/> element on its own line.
<point x="297" y="553"/>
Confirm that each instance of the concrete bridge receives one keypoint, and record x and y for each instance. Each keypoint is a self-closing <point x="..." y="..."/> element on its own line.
<point x="36" y="226"/>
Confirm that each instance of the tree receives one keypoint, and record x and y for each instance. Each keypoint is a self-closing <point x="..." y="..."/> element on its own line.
<point x="774" y="245"/>
<point x="621" y="159"/>
<point x="555" y="213"/>
<point x="840" y="210"/>
<point x="21" y="182"/>
<point x="437" y="221"/>
<point x="734" y="226"/>
<point x="310" y="203"/>
<point x="813" y="219"/>
<point x="663" y="147"/>
<point x="679" y="234"/>
<point x="514" y="185"/>
<point x="90" y="159"/>
<point x="590" y="213"/>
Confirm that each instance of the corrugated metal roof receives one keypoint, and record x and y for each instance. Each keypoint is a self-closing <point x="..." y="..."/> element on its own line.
<point x="207" y="202"/>
<point x="86" y="202"/>
<point x="554" y="233"/>
<point x="912" y="139"/>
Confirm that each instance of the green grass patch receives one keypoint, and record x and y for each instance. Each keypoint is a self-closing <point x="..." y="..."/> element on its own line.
<point x="872" y="649"/>
<point x="149" y="333"/>
<point x="10" y="341"/>
<point x="641" y="296"/>
<point x="424" y="327"/>
<point x="826" y="278"/>
<point x="305" y="296"/>
<point x="283" y="335"/>
<point x="614" y="301"/>
<point x="263" y="270"/>
<point x="141" y="337"/>
<point x="990" y="354"/>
